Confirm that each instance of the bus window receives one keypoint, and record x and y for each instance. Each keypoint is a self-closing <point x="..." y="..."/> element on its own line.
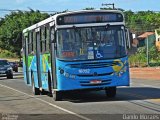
<point x="42" y="40"/>
<point x="47" y="39"/>
<point x="30" y="43"/>
<point x="34" y="42"/>
<point x="85" y="43"/>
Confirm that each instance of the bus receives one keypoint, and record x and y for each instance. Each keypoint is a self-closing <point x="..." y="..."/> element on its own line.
<point x="79" y="50"/>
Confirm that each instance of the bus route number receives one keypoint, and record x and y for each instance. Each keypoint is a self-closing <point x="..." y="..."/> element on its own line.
<point x="84" y="71"/>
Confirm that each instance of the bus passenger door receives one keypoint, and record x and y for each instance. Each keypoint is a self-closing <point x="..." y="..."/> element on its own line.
<point x="53" y="55"/>
<point x="38" y="57"/>
<point x="26" y="69"/>
<point x="129" y="42"/>
<point x="128" y="39"/>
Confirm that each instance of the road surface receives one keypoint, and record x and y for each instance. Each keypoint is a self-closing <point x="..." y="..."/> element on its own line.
<point x="142" y="98"/>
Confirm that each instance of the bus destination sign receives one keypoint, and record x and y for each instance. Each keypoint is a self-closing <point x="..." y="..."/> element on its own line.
<point x="89" y="18"/>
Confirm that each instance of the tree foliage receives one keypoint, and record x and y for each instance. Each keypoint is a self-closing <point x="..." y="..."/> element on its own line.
<point x="142" y="21"/>
<point x="11" y="28"/>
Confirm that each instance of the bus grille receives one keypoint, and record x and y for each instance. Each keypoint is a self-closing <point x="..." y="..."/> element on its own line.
<point x="94" y="65"/>
<point x="91" y="75"/>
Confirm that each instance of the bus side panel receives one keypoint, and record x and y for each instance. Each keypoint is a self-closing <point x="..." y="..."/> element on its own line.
<point x="33" y="69"/>
<point x="45" y="68"/>
<point x="30" y="61"/>
<point x="24" y="70"/>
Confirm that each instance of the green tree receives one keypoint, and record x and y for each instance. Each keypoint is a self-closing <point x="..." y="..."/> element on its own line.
<point x="12" y="25"/>
<point x="142" y="21"/>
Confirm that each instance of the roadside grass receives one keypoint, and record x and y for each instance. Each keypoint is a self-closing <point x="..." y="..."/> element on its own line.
<point x="5" y="54"/>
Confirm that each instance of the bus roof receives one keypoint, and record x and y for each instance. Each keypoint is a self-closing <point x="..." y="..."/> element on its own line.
<point x="53" y="18"/>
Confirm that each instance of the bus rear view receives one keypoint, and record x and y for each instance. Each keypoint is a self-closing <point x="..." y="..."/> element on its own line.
<point x="88" y="51"/>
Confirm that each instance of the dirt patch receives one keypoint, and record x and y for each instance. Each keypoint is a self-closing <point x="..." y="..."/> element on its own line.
<point x="148" y="73"/>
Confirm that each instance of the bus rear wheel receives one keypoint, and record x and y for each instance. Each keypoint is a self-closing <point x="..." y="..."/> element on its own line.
<point x="111" y="92"/>
<point x="35" y="90"/>
<point x="57" y="95"/>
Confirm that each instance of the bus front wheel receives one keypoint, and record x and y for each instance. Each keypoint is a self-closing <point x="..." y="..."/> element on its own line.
<point x="111" y="92"/>
<point x="57" y="95"/>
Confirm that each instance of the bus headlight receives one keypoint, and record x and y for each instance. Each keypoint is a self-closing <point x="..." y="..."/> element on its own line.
<point x="61" y="71"/>
<point x="66" y="74"/>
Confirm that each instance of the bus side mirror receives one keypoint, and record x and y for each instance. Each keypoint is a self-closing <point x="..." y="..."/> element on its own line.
<point x="128" y="38"/>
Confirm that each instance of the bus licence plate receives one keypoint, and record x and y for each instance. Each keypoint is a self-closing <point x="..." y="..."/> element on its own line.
<point x="95" y="81"/>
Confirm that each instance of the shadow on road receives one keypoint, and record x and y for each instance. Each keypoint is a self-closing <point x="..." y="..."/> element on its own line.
<point x="123" y="94"/>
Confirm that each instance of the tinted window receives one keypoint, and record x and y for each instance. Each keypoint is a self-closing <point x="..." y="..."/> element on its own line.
<point x="91" y="43"/>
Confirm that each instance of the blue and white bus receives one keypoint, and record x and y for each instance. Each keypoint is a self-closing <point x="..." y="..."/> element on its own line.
<point x="80" y="50"/>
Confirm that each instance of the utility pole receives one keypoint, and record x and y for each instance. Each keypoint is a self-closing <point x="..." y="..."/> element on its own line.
<point x="109" y="4"/>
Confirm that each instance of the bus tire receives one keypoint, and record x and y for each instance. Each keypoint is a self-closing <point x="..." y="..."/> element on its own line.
<point x="35" y="90"/>
<point x="57" y="95"/>
<point x="111" y="92"/>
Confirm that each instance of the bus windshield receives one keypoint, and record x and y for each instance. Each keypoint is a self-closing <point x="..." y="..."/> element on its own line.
<point x="105" y="42"/>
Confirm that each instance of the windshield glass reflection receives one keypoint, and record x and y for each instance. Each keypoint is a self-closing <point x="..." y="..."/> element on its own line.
<point x="91" y="43"/>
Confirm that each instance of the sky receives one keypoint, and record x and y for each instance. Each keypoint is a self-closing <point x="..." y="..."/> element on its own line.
<point x="71" y="5"/>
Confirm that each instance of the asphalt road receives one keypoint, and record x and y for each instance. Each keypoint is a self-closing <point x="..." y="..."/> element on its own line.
<point x="142" y="98"/>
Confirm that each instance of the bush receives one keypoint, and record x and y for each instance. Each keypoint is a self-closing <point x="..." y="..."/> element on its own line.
<point x="141" y="50"/>
<point x="154" y="54"/>
<point x="140" y="58"/>
<point x="7" y="54"/>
